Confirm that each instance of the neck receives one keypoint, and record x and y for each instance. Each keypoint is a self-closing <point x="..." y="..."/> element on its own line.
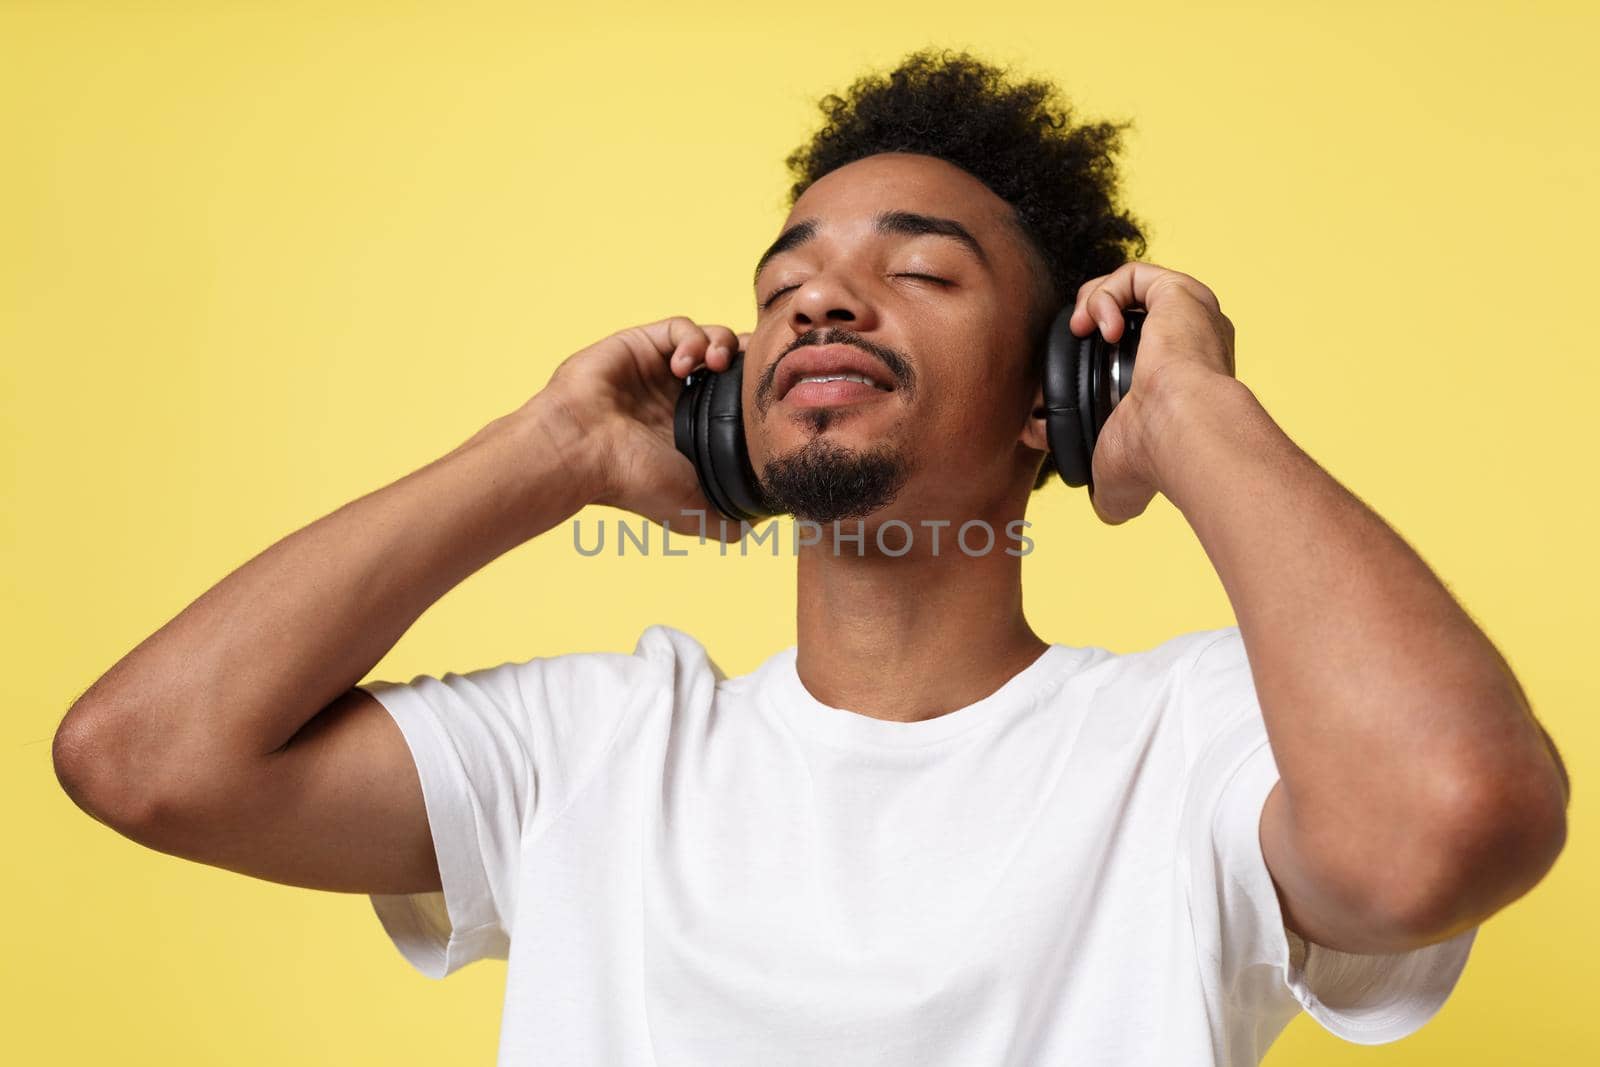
<point x="913" y="637"/>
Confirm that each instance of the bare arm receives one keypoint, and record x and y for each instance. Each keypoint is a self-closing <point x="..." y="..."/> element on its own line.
<point x="189" y="735"/>
<point x="232" y="735"/>
<point x="1419" y="795"/>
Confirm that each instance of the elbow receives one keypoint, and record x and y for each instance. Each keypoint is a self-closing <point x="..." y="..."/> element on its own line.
<point x="91" y="768"/>
<point x="72" y="754"/>
<point x="1489" y="848"/>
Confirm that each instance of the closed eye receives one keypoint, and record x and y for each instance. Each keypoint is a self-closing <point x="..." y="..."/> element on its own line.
<point x="765" y="304"/>
<point x="768" y="302"/>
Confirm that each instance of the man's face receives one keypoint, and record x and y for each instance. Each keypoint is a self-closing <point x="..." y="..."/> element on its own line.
<point x="849" y="289"/>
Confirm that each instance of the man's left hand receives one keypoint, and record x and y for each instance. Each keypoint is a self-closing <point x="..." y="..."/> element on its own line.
<point x="1185" y="350"/>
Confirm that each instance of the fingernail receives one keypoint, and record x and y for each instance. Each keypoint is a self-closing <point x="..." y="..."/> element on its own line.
<point x="718" y="349"/>
<point x="1103" y="326"/>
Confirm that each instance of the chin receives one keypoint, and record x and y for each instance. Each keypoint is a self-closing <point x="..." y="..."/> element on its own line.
<point x="828" y="477"/>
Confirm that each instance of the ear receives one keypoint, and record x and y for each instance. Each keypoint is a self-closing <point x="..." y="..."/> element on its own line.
<point x="1033" y="432"/>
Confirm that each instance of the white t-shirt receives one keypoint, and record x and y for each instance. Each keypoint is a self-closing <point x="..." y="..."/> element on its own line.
<point x="686" y="870"/>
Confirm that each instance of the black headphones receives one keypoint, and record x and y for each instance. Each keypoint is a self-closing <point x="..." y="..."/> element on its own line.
<point x="1084" y="379"/>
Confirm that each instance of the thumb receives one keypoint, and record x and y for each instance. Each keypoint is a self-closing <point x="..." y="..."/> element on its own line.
<point x="1116" y="503"/>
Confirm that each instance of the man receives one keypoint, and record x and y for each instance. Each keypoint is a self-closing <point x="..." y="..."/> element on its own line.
<point x="923" y="835"/>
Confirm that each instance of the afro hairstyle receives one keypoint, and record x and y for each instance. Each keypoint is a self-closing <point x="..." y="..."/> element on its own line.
<point x="1018" y="137"/>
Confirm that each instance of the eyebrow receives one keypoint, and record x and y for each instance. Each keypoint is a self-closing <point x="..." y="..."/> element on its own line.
<point x="903" y="223"/>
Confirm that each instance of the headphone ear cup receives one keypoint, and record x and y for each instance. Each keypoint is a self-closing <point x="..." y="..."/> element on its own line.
<point x="1064" y="363"/>
<point x="728" y="448"/>
<point x="1090" y="354"/>
<point x="1084" y="380"/>
<point x="683" y="417"/>
<point x="708" y="427"/>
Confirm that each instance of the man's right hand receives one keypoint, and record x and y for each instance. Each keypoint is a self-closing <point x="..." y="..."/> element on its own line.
<point x="620" y="395"/>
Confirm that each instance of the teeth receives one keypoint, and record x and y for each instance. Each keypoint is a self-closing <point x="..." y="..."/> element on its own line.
<point x="839" y="378"/>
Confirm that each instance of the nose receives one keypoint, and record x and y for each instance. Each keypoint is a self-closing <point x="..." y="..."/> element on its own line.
<point x="828" y="299"/>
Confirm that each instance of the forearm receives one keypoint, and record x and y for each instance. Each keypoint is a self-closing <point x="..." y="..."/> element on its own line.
<point x="1395" y="723"/>
<point x="241" y="669"/>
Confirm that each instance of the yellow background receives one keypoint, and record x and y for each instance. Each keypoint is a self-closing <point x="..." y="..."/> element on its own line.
<point x="257" y="259"/>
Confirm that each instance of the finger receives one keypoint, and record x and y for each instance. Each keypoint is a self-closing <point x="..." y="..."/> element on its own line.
<point x="667" y="337"/>
<point x="1100" y="302"/>
<point x="1149" y="284"/>
<point x="686" y="342"/>
<point x="1105" y="305"/>
<point x="1136" y="282"/>
<point x="1081" y="323"/>
<point x="724" y="343"/>
<point x="1116" y="490"/>
<point x="1102" y="299"/>
<point x="1115" y="494"/>
<point x="1115" y="507"/>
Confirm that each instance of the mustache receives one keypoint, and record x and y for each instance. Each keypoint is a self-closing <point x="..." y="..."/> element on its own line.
<point x="896" y="364"/>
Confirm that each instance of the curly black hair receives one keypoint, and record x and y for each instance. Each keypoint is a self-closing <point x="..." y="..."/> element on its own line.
<point x="1018" y="137"/>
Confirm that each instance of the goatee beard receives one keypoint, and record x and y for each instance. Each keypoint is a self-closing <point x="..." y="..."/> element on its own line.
<point x="823" y="482"/>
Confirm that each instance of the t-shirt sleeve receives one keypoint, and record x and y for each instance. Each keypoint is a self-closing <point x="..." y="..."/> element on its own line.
<point x="499" y="752"/>
<point x="1366" y="999"/>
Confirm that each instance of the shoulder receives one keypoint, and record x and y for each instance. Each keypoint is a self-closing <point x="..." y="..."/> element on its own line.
<point x="1196" y="664"/>
<point x="1213" y="693"/>
<point x="1199" y="681"/>
<point x="661" y="656"/>
<point x="1174" y="663"/>
<point x="671" y="648"/>
<point x="591" y="693"/>
<point x="1200" y="650"/>
<point x="677" y="664"/>
<point x="1209" y="662"/>
<point x="673" y="654"/>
